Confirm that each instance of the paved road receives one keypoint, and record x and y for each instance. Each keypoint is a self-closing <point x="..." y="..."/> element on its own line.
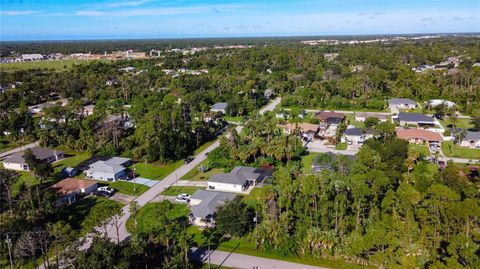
<point x="270" y="106"/>
<point x="149" y="196"/>
<point x="21" y="148"/>
<point x="244" y="261"/>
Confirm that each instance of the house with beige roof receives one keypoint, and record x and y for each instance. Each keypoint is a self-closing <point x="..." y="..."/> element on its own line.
<point x="419" y="136"/>
<point x="69" y="189"/>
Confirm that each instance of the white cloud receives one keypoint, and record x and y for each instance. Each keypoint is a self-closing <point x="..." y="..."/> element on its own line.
<point x="127" y="3"/>
<point x="17" y="12"/>
<point x="156" y="11"/>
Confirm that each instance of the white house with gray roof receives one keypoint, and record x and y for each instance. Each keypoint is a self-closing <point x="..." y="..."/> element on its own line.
<point x="401" y="103"/>
<point x="16" y="161"/>
<point x="219" y="107"/>
<point x="239" y="179"/>
<point x="471" y="140"/>
<point x="110" y="170"/>
<point x="204" y="204"/>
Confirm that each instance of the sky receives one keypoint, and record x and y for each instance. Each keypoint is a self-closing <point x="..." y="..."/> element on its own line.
<point x="116" y="19"/>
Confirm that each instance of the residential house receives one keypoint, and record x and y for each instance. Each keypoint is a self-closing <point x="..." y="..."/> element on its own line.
<point x="35" y="109"/>
<point x="471" y="140"/>
<point x="69" y="189"/>
<point x="362" y="116"/>
<point x="239" y="179"/>
<point x="437" y="102"/>
<point x="111" y="169"/>
<point x="219" y="107"/>
<point x="111" y="82"/>
<point x="307" y="130"/>
<point x="329" y="117"/>
<point x="356" y="135"/>
<point x="401" y="103"/>
<point x="16" y="161"/>
<point x="419" y="136"/>
<point x="31" y="57"/>
<point x="204" y="204"/>
<point x="416" y="119"/>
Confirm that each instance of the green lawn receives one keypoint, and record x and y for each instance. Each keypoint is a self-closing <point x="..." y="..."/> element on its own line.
<point x="155" y="171"/>
<point x="351" y="121"/>
<point x="176" y="190"/>
<point x="78" y="213"/>
<point x="451" y="150"/>
<point x="246" y="245"/>
<point x="194" y="174"/>
<point x="307" y="161"/>
<point x="422" y="149"/>
<point x="58" y="65"/>
<point x="233" y="119"/>
<point x="252" y="198"/>
<point x="75" y="159"/>
<point x="25" y="177"/>
<point x="127" y="188"/>
<point x="461" y="123"/>
<point x="148" y="216"/>
<point x="341" y="146"/>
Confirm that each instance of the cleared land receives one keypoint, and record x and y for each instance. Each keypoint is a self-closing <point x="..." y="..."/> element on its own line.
<point x="58" y="65"/>
<point x="155" y="171"/>
<point x="451" y="150"/>
<point x="176" y="190"/>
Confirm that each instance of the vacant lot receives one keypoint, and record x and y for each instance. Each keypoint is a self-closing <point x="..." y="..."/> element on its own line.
<point x="155" y="171"/>
<point x="451" y="150"/>
<point x="176" y="190"/>
<point x="148" y="217"/>
<point x="421" y="149"/>
<point x="58" y="65"/>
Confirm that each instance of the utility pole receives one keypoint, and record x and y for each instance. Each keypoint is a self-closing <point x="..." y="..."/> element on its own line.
<point x="9" y="245"/>
<point x="256" y="230"/>
<point x="209" y="252"/>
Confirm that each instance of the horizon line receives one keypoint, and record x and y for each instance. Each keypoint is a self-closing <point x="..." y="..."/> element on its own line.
<point x="240" y="37"/>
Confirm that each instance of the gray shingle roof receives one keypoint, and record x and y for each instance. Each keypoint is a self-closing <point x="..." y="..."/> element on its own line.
<point x="354" y="132"/>
<point x="414" y="117"/>
<point x="210" y="201"/>
<point x="472" y="136"/>
<point x="218" y="106"/>
<point x="39" y="152"/>
<point x="401" y="101"/>
<point x="240" y="174"/>
<point x="117" y="161"/>
<point x="104" y="167"/>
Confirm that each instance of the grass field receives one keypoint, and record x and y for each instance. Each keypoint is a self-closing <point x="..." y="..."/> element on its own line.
<point x="307" y="161"/>
<point x="78" y="213"/>
<point x="351" y="121"/>
<point x="176" y="190"/>
<point x="148" y="216"/>
<point x="451" y="150"/>
<point x="155" y="171"/>
<point x="58" y="65"/>
<point x="72" y="159"/>
<point x="127" y="188"/>
<point x="341" y="146"/>
<point x="422" y="149"/>
<point x="461" y="123"/>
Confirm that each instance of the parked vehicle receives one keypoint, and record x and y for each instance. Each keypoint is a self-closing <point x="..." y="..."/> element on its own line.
<point x="188" y="159"/>
<point x="102" y="194"/>
<point x="184" y="195"/>
<point x="182" y="200"/>
<point x="106" y="189"/>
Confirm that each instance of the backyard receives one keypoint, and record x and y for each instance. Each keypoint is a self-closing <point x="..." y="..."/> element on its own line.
<point x="421" y="149"/>
<point x="451" y="150"/>
<point x="461" y="123"/>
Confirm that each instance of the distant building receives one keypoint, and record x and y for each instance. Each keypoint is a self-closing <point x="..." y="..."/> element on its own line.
<point x="204" y="205"/>
<point x="401" y="103"/>
<point x="362" y="116"/>
<point x="239" y="179"/>
<point x="471" y="140"/>
<point x="70" y="188"/>
<point x="36" y="109"/>
<point x="437" y="102"/>
<point x="16" y="161"/>
<point x="31" y="57"/>
<point x="219" y="107"/>
<point x="110" y="170"/>
<point x="356" y="135"/>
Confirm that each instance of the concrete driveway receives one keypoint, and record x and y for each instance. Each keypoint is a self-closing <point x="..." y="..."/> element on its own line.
<point x="144" y="181"/>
